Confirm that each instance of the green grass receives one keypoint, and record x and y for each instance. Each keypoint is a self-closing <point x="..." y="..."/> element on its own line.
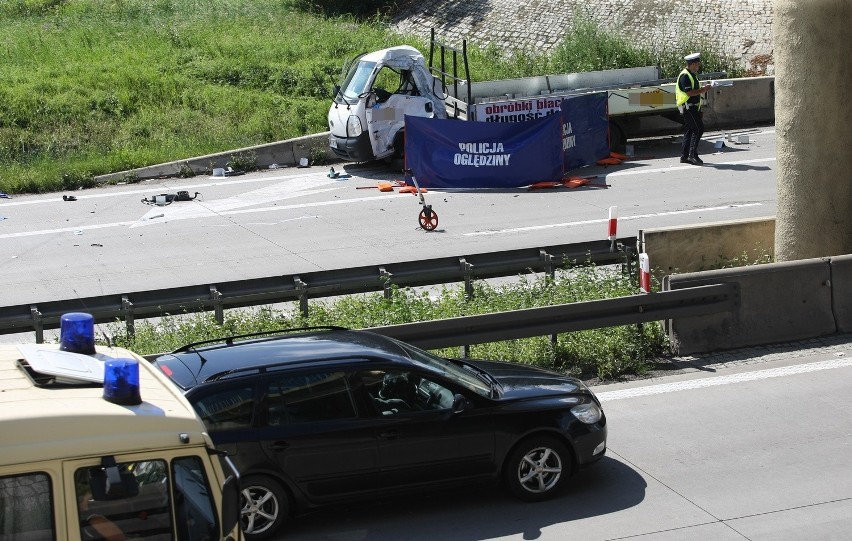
<point x="600" y="353"/>
<point x="98" y="86"/>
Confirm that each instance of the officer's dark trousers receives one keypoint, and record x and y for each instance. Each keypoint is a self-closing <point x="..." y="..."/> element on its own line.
<point x="693" y="129"/>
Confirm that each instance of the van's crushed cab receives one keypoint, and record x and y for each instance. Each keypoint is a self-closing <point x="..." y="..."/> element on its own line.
<point x="96" y="444"/>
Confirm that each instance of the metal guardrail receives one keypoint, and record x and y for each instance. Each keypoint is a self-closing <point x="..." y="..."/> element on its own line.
<point x="469" y="330"/>
<point x="301" y="287"/>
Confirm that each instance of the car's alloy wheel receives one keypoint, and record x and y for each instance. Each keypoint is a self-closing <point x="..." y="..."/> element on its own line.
<point x="264" y="507"/>
<point x="537" y="468"/>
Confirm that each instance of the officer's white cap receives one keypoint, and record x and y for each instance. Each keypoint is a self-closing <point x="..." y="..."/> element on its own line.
<point x="694" y="57"/>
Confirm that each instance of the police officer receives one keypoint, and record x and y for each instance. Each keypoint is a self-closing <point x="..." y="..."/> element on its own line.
<point x="688" y="95"/>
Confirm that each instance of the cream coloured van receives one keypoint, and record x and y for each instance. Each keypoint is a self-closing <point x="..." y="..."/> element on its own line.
<point x="100" y="446"/>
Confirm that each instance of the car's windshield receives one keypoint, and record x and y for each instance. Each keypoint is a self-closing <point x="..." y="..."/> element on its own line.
<point x="357" y="80"/>
<point x="448" y="369"/>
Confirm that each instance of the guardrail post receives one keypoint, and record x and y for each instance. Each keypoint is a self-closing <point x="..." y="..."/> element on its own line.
<point x="547" y="261"/>
<point x="129" y="320"/>
<point x="218" y="311"/>
<point x="302" y="289"/>
<point x="630" y="257"/>
<point x="467" y="272"/>
<point x="387" y="284"/>
<point x="38" y="324"/>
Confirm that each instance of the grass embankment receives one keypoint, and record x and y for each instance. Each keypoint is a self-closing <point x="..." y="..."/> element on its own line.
<point x="93" y="87"/>
<point x="601" y="353"/>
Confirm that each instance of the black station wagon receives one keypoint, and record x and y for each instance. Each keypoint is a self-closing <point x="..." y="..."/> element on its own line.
<point x="320" y="415"/>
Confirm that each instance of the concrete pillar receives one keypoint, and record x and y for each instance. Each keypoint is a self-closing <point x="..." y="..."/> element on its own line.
<point x="813" y="121"/>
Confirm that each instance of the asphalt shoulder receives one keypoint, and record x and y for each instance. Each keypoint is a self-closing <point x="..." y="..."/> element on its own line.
<point x="749" y="358"/>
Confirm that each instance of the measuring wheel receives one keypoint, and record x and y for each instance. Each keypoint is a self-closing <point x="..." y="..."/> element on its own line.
<point x="428" y="218"/>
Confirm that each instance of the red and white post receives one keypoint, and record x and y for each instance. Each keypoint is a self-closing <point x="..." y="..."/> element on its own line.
<point x="644" y="273"/>
<point x="613" y="227"/>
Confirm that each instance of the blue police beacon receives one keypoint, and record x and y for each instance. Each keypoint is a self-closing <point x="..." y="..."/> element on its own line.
<point x="77" y="333"/>
<point x="121" y="382"/>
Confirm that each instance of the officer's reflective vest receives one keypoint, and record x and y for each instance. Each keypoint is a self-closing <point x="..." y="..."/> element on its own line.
<point x="682" y="97"/>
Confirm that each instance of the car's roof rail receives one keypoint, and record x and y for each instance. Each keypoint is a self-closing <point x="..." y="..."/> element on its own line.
<point x="273" y="334"/>
<point x="268" y="367"/>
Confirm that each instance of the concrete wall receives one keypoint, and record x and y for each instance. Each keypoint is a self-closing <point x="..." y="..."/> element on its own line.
<point x="750" y="101"/>
<point x="693" y="248"/>
<point x="778" y="302"/>
<point x="742" y="30"/>
<point x="283" y="153"/>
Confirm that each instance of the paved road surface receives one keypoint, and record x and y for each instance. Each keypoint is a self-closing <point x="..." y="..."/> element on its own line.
<point x="751" y="444"/>
<point x="288" y="221"/>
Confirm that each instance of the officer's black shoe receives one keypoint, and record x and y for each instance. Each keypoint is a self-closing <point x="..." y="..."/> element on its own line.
<point x="684" y="159"/>
<point x="695" y="160"/>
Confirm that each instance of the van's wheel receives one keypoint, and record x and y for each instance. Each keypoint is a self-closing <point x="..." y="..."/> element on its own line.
<point x="537" y="468"/>
<point x="397" y="159"/>
<point x="399" y="144"/>
<point x="617" y="137"/>
<point x="265" y="507"/>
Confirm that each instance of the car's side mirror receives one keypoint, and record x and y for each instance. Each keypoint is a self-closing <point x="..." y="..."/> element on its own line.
<point x="459" y="403"/>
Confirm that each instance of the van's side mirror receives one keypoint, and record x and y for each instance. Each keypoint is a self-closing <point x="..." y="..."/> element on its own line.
<point x="231" y="506"/>
<point x="230" y="503"/>
<point x="335" y="90"/>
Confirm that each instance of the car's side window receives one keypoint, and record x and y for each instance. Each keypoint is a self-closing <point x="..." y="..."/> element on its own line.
<point x="26" y="507"/>
<point x="227" y="409"/>
<point x="434" y="395"/>
<point x="390" y="391"/>
<point x="393" y="392"/>
<point x="307" y="398"/>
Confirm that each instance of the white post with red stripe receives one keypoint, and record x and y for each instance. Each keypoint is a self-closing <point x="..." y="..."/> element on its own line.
<point x="613" y="227"/>
<point x="644" y="273"/>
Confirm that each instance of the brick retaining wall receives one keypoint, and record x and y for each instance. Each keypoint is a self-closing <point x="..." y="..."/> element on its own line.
<point x="739" y="28"/>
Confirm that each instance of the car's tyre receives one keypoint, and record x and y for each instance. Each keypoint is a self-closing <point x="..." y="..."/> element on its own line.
<point x="537" y="468"/>
<point x="265" y="507"/>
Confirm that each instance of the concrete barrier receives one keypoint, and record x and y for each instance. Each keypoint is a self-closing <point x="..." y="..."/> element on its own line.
<point x="841" y="287"/>
<point x="282" y="153"/>
<point x="778" y="302"/>
<point x="749" y="102"/>
<point x="693" y="248"/>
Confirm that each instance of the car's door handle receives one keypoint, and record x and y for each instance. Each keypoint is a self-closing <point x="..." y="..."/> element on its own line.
<point x="280" y="446"/>
<point x="389" y="434"/>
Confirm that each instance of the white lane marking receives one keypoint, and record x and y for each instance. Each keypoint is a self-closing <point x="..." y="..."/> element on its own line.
<point x="707" y="166"/>
<point x="724" y="380"/>
<point x="603" y="220"/>
<point x="65" y="230"/>
<point x="165" y="186"/>
<point x="206" y="209"/>
<point x="228" y="213"/>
